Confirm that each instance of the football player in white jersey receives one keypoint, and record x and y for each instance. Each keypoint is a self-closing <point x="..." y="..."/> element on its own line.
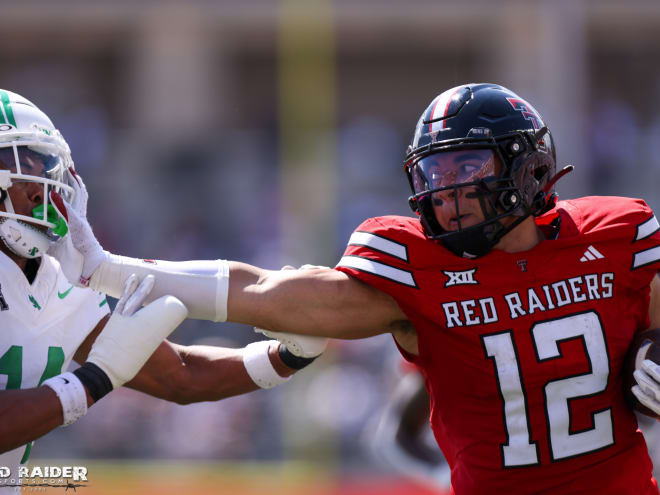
<point x="47" y="322"/>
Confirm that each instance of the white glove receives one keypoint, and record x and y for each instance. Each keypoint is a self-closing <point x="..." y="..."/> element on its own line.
<point x="305" y="346"/>
<point x="647" y="390"/>
<point x="78" y="252"/>
<point x="130" y="337"/>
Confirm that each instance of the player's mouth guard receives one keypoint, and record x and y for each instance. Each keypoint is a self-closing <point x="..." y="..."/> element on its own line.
<point x="53" y="217"/>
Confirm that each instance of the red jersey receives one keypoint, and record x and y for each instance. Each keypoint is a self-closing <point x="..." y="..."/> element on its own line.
<point x="523" y="353"/>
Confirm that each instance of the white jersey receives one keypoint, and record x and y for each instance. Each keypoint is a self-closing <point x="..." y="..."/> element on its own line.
<point x="41" y="326"/>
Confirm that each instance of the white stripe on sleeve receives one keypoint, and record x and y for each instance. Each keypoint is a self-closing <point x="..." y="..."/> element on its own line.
<point x="646" y="257"/>
<point x="647" y="228"/>
<point x="379" y="243"/>
<point x="378" y="268"/>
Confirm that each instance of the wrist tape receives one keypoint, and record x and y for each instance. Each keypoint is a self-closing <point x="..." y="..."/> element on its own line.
<point x="258" y="366"/>
<point x="95" y="380"/>
<point x="203" y="286"/>
<point x="72" y="395"/>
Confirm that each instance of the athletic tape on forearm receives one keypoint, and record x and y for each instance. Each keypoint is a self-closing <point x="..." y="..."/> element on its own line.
<point x="258" y="366"/>
<point x="203" y="286"/>
<point x="72" y="395"/>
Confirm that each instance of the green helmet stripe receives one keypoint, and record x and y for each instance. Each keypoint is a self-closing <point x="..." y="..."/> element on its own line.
<point x="7" y="111"/>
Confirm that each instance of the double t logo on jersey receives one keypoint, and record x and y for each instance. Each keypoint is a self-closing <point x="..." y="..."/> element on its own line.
<point x="460" y="278"/>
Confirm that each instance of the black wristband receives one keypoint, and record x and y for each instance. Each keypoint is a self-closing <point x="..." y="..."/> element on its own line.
<point x="94" y="379"/>
<point x="291" y="360"/>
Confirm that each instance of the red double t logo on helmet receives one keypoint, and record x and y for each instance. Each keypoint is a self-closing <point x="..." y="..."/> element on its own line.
<point x="527" y="110"/>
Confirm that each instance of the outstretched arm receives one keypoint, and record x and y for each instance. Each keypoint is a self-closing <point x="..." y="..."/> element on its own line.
<point x="186" y="374"/>
<point x="322" y="302"/>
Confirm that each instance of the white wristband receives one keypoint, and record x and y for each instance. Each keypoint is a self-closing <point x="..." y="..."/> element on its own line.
<point x="72" y="395"/>
<point x="258" y="366"/>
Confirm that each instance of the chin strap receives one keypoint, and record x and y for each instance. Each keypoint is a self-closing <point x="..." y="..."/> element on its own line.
<point x="567" y="169"/>
<point x="23" y="239"/>
<point x="544" y="200"/>
<point x="480" y="240"/>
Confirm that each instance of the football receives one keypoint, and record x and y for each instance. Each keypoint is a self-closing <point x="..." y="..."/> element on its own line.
<point x="652" y="353"/>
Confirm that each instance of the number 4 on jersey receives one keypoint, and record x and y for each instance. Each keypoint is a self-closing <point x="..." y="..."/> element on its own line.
<point x="11" y="365"/>
<point x="519" y="450"/>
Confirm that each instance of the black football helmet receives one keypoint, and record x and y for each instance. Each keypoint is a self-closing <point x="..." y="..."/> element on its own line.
<point x="512" y="165"/>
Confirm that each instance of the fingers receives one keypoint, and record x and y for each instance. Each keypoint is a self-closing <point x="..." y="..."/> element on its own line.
<point x="647" y="401"/>
<point x="60" y="205"/>
<point x="72" y="180"/>
<point x="307" y="346"/>
<point x="71" y="215"/>
<point x="130" y="285"/>
<point x="80" y="196"/>
<point x="73" y="177"/>
<point x="652" y="369"/>
<point x="314" y="267"/>
<point x="136" y="300"/>
<point x="81" y="184"/>
<point x="647" y="389"/>
<point x="648" y="385"/>
<point x="134" y="294"/>
<point x="304" y="267"/>
<point x="77" y="178"/>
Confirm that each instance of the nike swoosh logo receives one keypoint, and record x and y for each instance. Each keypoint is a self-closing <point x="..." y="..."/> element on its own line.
<point x="65" y="380"/>
<point x="62" y="295"/>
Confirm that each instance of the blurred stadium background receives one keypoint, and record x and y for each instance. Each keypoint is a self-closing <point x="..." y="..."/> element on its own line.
<point x="265" y="131"/>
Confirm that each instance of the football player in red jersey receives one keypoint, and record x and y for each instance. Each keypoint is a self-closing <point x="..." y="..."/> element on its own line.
<point x="518" y="309"/>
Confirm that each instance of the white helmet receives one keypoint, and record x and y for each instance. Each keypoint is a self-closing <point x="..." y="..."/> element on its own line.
<point x="25" y="131"/>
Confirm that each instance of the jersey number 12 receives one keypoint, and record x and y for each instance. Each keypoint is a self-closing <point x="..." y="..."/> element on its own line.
<point x="519" y="450"/>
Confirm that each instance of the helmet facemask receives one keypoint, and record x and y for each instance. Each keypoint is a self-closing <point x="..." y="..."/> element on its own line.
<point x="505" y="174"/>
<point x="29" y="235"/>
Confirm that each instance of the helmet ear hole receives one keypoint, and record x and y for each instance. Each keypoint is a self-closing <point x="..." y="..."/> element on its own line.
<point x="508" y="200"/>
<point x="540" y="172"/>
